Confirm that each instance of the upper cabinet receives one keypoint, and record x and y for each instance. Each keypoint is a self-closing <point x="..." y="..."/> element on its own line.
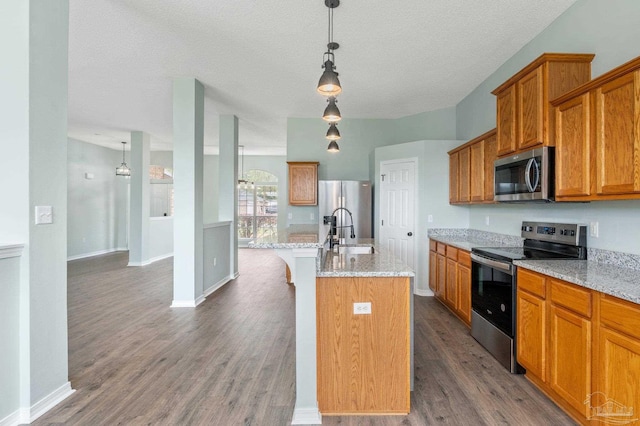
<point x="471" y="170"/>
<point x="524" y="119"/>
<point x="303" y="183"/>
<point x="598" y="138"/>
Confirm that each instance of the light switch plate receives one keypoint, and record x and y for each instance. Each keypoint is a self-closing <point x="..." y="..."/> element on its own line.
<point x="44" y="215"/>
<point x="362" y="308"/>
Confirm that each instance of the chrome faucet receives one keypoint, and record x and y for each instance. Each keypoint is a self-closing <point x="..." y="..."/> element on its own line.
<point x="333" y="229"/>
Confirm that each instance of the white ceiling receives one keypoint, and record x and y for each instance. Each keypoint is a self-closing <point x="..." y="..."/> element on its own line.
<point x="260" y="60"/>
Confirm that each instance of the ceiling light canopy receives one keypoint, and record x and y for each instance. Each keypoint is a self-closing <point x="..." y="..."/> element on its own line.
<point x="331" y="112"/>
<point x="123" y="169"/>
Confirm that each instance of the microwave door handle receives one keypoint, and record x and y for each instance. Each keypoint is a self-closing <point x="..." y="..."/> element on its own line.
<point x="537" y="167"/>
<point x="527" y="175"/>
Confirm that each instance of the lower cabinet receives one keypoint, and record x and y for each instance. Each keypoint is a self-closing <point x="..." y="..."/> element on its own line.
<point x="450" y="278"/>
<point x="581" y="347"/>
<point x="363" y="359"/>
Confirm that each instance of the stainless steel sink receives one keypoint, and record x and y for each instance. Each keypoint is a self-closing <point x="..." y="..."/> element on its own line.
<point x="355" y="249"/>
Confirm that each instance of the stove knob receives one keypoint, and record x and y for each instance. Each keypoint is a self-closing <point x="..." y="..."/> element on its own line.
<point x="573" y="233"/>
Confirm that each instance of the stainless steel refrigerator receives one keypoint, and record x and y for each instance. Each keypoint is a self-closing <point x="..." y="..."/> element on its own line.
<point x="339" y="198"/>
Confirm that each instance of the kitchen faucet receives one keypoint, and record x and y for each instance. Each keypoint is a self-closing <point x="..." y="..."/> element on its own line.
<point x="333" y="229"/>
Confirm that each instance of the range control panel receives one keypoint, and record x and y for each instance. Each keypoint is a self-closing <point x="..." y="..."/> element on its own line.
<point x="566" y="233"/>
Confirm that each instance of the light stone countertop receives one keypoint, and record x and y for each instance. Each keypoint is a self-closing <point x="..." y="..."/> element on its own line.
<point x="467" y="239"/>
<point x="329" y="264"/>
<point x="610" y="279"/>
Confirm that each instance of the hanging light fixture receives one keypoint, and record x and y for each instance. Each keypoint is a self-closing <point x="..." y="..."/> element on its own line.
<point x="331" y="112"/>
<point x="329" y="85"/>
<point x="242" y="182"/>
<point x="123" y="169"/>
<point x="333" y="147"/>
<point x="333" y="134"/>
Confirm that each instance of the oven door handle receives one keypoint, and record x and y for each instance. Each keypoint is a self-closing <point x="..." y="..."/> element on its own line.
<point x="506" y="267"/>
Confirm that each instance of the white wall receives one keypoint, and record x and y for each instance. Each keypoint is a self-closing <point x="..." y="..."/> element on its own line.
<point x="611" y="31"/>
<point x="433" y="196"/>
<point x="9" y="336"/>
<point x="97" y="206"/>
<point x="160" y="238"/>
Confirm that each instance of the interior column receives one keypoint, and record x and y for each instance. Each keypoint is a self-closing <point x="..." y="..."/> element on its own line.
<point x="188" y="153"/>
<point x="228" y="178"/>
<point x="33" y="159"/>
<point x="140" y="203"/>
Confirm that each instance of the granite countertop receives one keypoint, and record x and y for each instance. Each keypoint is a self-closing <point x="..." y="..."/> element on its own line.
<point x="615" y="280"/>
<point x="380" y="263"/>
<point x="295" y="236"/>
<point x="467" y="239"/>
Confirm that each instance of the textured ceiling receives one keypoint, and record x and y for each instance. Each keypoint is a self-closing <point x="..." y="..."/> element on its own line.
<point x="260" y="60"/>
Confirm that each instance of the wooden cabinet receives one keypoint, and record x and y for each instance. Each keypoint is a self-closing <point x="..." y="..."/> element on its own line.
<point x="471" y="170"/>
<point x="618" y="360"/>
<point x="454" y="194"/>
<point x="531" y="323"/>
<point x="598" y="138"/>
<point x="450" y="278"/>
<point x="363" y="360"/>
<point x="524" y="119"/>
<point x="303" y="183"/>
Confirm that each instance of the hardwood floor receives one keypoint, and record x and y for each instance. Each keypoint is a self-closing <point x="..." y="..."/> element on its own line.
<point x="231" y="361"/>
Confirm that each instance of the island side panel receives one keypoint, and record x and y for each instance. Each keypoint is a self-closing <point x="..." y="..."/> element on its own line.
<point x="363" y="360"/>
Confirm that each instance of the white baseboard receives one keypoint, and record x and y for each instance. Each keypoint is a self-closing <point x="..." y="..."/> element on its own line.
<point x="306" y="416"/>
<point x="187" y="303"/>
<point x="94" y="253"/>
<point x="216" y="286"/>
<point x="150" y="261"/>
<point x="28" y="415"/>
<point x="421" y="292"/>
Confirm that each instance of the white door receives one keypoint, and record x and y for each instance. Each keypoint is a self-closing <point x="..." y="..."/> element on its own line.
<point x="397" y="208"/>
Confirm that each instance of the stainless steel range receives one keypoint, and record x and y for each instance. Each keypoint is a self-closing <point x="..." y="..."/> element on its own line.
<point x="493" y="282"/>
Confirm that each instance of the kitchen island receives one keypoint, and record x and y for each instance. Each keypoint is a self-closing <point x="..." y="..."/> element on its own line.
<point x="302" y="249"/>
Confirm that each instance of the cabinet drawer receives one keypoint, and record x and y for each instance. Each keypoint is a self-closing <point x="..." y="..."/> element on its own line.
<point x="442" y="248"/>
<point x="452" y="253"/>
<point x="464" y="258"/>
<point x="531" y="282"/>
<point x="572" y="297"/>
<point x="620" y="315"/>
<point x="432" y="245"/>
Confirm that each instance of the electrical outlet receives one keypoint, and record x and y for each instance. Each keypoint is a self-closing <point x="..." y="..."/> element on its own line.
<point x="290" y="215"/>
<point x="486" y="220"/>
<point x="594" y="229"/>
<point x="430" y="218"/>
<point x="312" y="216"/>
<point x="215" y="261"/>
<point x="362" y="308"/>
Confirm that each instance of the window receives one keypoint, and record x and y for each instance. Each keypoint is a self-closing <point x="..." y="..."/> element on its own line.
<point x="258" y="206"/>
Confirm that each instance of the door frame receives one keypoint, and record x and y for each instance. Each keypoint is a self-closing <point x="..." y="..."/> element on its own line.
<point x="416" y="164"/>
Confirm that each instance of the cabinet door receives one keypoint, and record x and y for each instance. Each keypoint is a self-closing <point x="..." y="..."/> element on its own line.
<point x="464" y="175"/>
<point x="618" y="136"/>
<point x="303" y="184"/>
<point x="442" y="276"/>
<point x="477" y="171"/>
<point x="573" y="148"/>
<point x="454" y="196"/>
<point x="451" y="283"/>
<point x="463" y="305"/>
<point x="433" y="271"/>
<point x="506" y="121"/>
<point x="570" y="357"/>
<point x="531" y="333"/>
<point x="490" y="155"/>
<point x="618" y="368"/>
<point x="530" y="109"/>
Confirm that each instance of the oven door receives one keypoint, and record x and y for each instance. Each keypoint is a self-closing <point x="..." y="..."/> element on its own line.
<point x="527" y="176"/>
<point x="493" y="292"/>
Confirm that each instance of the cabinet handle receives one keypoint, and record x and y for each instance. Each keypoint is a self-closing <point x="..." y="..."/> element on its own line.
<point x="410" y="233"/>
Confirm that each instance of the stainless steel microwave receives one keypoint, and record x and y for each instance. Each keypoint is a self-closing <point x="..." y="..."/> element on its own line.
<point x="526" y="176"/>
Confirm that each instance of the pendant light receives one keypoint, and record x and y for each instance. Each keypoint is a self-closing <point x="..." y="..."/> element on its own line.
<point x="331" y="112"/>
<point x="329" y="85"/>
<point x="333" y="134"/>
<point x="333" y="147"/>
<point x="123" y="169"/>
<point x="242" y="182"/>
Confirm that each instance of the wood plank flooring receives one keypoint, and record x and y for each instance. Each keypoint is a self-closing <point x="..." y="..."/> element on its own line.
<point x="231" y="361"/>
